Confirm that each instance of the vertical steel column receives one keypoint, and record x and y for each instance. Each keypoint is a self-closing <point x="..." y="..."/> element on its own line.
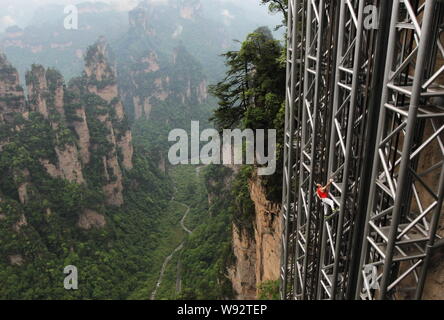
<point x="301" y="33"/>
<point x="345" y="219"/>
<point x="304" y="172"/>
<point x="376" y="75"/>
<point x="346" y="121"/>
<point x="316" y="96"/>
<point x="405" y="202"/>
<point x="395" y="232"/>
<point x="290" y="148"/>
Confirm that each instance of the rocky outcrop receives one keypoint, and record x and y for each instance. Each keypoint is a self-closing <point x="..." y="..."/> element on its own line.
<point x="101" y="78"/>
<point x="202" y="91"/>
<point x="113" y="188"/>
<point x="38" y="90"/>
<point x="242" y="273"/>
<point x="46" y="96"/>
<point x="151" y="61"/>
<point x="142" y="109"/>
<point x="139" y="19"/>
<point x="16" y="260"/>
<point x="70" y="111"/>
<point x="187" y="75"/>
<point x="267" y="233"/>
<point x="91" y="219"/>
<point x="50" y="168"/>
<point x="257" y="253"/>
<point x="22" y="181"/>
<point x="151" y="77"/>
<point x="22" y="222"/>
<point x="69" y="163"/>
<point x="12" y="97"/>
<point x="126" y="149"/>
<point x="180" y="82"/>
<point x="188" y="9"/>
<point x="81" y="128"/>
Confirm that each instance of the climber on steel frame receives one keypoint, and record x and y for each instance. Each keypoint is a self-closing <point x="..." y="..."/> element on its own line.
<point x="322" y="193"/>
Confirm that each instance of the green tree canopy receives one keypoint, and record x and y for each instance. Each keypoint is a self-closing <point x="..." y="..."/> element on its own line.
<point x="254" y="87"/>
<point x="278" y="6"/>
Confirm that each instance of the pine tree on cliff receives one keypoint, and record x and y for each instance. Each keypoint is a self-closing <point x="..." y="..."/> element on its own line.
<point x="252" y="92"/>
<point x="278" y="6"/>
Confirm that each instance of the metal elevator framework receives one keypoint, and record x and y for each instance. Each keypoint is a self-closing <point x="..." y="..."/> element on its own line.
<point x="364" y="106"/>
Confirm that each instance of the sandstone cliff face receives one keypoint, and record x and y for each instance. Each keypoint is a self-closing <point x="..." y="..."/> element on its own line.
<point x="139" y="19"/>
<point x="151" y="82"/>
<point x="46" y="96"/>
<point x="189" y="10"/>
<point x="38" y="90"/>
<point x="70" y="111"/>
<point x="81" y="135"/>
<point x="101" y="78"/>
<point x="11" y="93"/>
<point x="81" y="128"/>
<point x="91" y="219"/>
<point x="268" y="230"/>
<point x="243" y="273"/>
<point x="186" y="76"/>
<point x="150" y="76"/>
<point x="69" y="163"/>
<point x="258" y="254"/>
<point x="16" y="260"/>
<point x="126" y="147"/>
<point x="22" y="181"/>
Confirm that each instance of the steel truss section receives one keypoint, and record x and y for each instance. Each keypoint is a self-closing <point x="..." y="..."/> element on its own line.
<point x="406" y="194"/>
<point x="314" y="128"/>
<point x="378" y="245"/>
<point x="353" y="65"/>
<point x="294" y="90"/>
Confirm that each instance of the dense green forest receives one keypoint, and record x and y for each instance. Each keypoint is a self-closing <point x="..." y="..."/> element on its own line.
<point x="246" y="100"/>
<point x="201" y="266"/>
<point x="252" y="93"/>
<point x="112" y="262"/>
<point x="120" y="256"/>
<point x="44" y="210"/>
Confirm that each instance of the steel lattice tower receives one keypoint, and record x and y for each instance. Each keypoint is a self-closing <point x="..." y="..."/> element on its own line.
<point x="404" y="208"/>
<point x="342" y="75"/>
<point x="295" y="63"/>
<point x="348" y="124"/>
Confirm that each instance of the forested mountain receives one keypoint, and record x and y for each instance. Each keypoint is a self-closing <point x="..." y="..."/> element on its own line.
<point x="45" y="40"/>
<point x="84" y="178"/>
<point x="252" y="96"/>
<point x="234" y="250"/>
<point x="206" y="28"/>
<point x="85" y="181"/>
<point x="70" y="185"/>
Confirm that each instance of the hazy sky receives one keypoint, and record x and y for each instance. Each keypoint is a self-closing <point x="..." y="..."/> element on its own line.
<point x="19" y="12"/>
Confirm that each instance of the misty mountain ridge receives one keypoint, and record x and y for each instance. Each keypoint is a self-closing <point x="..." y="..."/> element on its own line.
<point x="205" y="28"/>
